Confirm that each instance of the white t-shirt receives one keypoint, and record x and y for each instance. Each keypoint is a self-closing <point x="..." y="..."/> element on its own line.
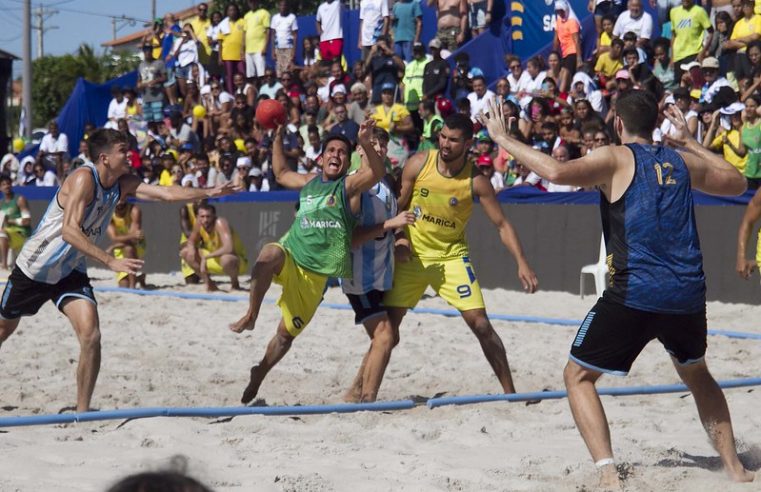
<point x="117" y="110"/>
<point x="188" y="52"/>
<point x="479" y="104"/>
<point x="50" y="144"/>
<point x="284" y="27"/>
<point x="521" y="83"/>
<point x="48" y="179"/>
<point x="372" y="12"/>
<point x="642" y="27"/>
<point x="329" y="17"/>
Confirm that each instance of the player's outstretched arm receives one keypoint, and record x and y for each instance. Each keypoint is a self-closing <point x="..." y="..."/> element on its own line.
<point x="591" y="170"/>
<point x="483" y="189"/>
<point x="131" y="185"/>
<point x="75" y="194"/>
<point x="283" y="174"/>
<point x="709" y="172"/>
<point x="745" y="266"/>
<point x="372" y="169"/>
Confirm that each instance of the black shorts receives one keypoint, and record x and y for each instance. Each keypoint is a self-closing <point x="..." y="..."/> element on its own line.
<point x="24" y="297"/>
<point x="569" y="63"/>
<point x="612" y="336"/>
<point x="367" y="305"/>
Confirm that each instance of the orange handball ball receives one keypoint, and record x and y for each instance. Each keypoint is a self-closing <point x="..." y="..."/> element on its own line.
<point x="270" y="114"/>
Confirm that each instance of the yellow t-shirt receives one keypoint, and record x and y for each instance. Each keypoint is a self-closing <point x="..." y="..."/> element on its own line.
<point x="165" y="179"/>
<point x="745" y="27"/>
<point x="605" y="39"/>
<point x="212" y="242"/>
<point x="729" y="155"/>
<point x="688" y="27"/>
<point x="383" y="118"/>
<point x="607" y="66"/>
<point x="757" y="8"/>
<point x="442" y="206"/>
<point x="199" y="28"/>
<point x="232" y="43"/>
<point x="256" y="25"/>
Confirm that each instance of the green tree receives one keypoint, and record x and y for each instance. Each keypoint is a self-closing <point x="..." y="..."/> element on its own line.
<point x="54" y="77"/>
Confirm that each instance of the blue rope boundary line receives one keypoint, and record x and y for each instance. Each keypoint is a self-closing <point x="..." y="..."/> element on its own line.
<point x="212" y="412"/>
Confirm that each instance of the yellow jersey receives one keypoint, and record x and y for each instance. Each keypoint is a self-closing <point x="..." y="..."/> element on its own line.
<point x="257" y="28"/>
<point x="200" y="27"/>
<point x="232" y="43"/>
<point x="212" y="242"/>
<point x="442" y="206"/>
<point x="729" y="155"/>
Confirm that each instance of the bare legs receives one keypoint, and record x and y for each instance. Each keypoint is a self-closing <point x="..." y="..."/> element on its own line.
<point x="268" y="264"/>
<point x="384" y="337"/>
<point x="492" y="346"/>
<point x="590" y="417"/>
<point x="279" y="345"/>
<point x="229" y="263"/>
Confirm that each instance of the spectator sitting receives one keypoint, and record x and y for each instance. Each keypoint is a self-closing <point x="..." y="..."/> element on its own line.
<point x="533" y="85"/>
<point x="396" y="120"/>
<point x="609" y="63"/>
<point x="360" y="103"/>
<point x="635" y="20"/>
<point x="518" y="79"/>
<point x="226" y="170"/>
<point x="630" y="42"/>
<point x="480" y="97"/>
<point x="245" y="89"/>
<point x="53" y="147"/>
<point x="42" y="176"/>
<point x="640" y="73"/>
<point x="270" y="85"/>
<point x="257" y="181"/>
<point x="583" y="87"/>
<point x="713" y="80"/>
<point x="339" y="123"/>
<point x="117" y="108"/>
<point x="561" y="153"/>
<point x="486" y="166"/>
<point x="662" y="68"/>
<point x="724" y="135"/>
<point x="605" y="39"/>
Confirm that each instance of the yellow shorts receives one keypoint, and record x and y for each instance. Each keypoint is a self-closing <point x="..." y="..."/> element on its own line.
<point x="214" y="267"/>
<point x="302" y="293"/>
<point x="184" y="267"/>
<point x="119" y="253"/>
<point x="453" y="280"/>
<point x="16" y="238"/>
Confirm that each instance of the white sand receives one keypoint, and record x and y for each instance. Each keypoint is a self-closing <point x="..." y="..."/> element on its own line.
<point x="170" y="352"/>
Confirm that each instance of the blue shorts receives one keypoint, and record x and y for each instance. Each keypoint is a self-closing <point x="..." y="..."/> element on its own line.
<point x="153" y="111"/>
<point x="182" y="72"/>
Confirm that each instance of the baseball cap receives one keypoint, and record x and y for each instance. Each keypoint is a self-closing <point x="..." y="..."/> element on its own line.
<point x="417" y="45"/>
<point x="484" y="160"/>
<point x="189" y="179"/>
<point x="483" y="136"/>
<point x="622" y="74"/>
<point x="435" y="44"/>
<point x="688" y="66"/>
<point x="733" y="108"/>
<point x="710" y="62"/>
<point x="255" y="172"/>
<point x="243" y="161"/>
<point x="388" y="86"/>
<point x="339" y="88"/>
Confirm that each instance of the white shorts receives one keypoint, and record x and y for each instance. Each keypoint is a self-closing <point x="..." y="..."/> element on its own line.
<point x="254" y="65"/>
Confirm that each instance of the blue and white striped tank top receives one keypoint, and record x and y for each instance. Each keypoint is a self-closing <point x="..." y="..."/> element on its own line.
<point x="46" y="257"/>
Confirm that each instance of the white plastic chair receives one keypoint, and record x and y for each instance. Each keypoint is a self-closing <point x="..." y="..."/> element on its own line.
<point x="598" y="270"/>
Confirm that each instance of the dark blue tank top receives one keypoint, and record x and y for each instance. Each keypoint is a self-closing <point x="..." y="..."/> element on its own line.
<point x="654" y="256"/>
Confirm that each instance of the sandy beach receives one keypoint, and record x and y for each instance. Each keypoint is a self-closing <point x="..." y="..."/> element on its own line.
<point x="172" y="352"/>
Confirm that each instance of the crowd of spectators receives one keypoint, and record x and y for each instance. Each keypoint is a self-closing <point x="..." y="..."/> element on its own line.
<point x="190" y="118"/>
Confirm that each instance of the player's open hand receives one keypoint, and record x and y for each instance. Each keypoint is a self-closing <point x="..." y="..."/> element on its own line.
<point x="222" y="190"/>
<point x="494" y="119"/>
<point x="365" y="134"/>
<point x="745" y="268"/>
<point x="527" y="277"/>
<point x="403" y="219"/>
<point x="680" y="132"/>
<point x="129" y="265"/>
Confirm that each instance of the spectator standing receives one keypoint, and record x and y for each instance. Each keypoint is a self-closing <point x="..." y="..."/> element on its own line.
<point x="231" y="38"/>
<point x="151" y="76"/>
<point x="568" y="37"/>
<point x="256" y="25"/>
<point x="610" y="62"/>
<point x="689" y="26"/>
<point x="519" y="79"/>
<point x="200" y="24"/>
<point x="284" y="32"/>
<point x="413" y="82"/>
<point x="663" y="9"/>
<point x="746" y="30"/>
<point x="635" y="20"/>
<point x="408" y="24"/>
<point x="452" y="22"/>
<point x="213" y="33"/>
<point x="384" y="68"/>
<point x="373" y="23"/>
<point x="330" y="29"/>
<point x="479" y="13"/>
<point x="171" y="33"/>
<point x="436" y="73"/>
<point x="15" y="228"/>
<point x="185" y="55"/>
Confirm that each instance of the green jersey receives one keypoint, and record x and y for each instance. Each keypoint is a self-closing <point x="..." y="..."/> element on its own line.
<point x="320" y="237"/>
<point x="12" y="212"/>
<point x="751" y="138"/>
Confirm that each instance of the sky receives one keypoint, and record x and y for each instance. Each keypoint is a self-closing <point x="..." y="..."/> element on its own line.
<point x="75" y="28"/>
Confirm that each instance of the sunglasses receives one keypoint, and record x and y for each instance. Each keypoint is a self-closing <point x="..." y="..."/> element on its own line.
<point x="513" y="67"/>
<point x="603" y="140"/>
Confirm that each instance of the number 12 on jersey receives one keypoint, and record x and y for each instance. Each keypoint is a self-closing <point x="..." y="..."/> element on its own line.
<point x="663" y="173"/>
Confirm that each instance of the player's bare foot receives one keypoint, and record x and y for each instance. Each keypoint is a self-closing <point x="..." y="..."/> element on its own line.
<point x="245" y="323"/>
<point x="741" y="476"/>
<point x="353" y="395"/>
<point x="211" y="286"/>
<point x="257" y="376"/>
<point x="192" y="279"/>
<point x="609" y="478"/>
